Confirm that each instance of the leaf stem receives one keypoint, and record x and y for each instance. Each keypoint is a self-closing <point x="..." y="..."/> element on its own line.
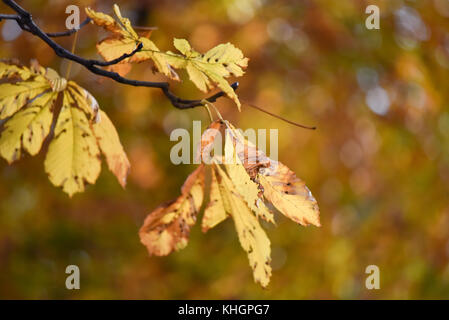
<point x="208" y="111"/>
<point x="69" y="67"/>
<point x="277" y="116"/>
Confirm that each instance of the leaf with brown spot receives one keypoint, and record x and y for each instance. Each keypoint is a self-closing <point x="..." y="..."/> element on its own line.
<point x="124" y="40"/>
<point x="279" y="184"/>
<point x="110" y="146"/>
<point x="252" y="237"/>
<point x="217" y="209"/>
<point x="29" y="102"/>
<point x="289" y="194"/>
<point x="167" y="228"/>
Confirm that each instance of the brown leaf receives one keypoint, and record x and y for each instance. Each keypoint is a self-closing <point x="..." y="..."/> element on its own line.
<point x="208" y="139"/>
<point x="167" y="228"/>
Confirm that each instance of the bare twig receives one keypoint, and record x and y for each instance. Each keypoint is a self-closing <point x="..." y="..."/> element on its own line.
<point x="26" y="22"/>
<point x="68" y="32"/>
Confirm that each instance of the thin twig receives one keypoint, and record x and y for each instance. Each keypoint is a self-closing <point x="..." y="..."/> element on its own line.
<point x="68" y="32"/>
<point x="9" y="17"/>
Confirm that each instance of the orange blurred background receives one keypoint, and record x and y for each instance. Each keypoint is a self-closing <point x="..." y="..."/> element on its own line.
<point x="378" y="164"/>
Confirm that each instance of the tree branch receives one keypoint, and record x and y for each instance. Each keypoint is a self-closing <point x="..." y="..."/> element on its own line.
<point x="26" y="23"/>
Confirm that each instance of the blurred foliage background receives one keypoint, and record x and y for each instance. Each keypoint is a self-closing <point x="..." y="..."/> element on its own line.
<point x="378" y="163"/>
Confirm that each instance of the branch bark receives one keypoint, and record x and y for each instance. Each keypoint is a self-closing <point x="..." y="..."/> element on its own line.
<point x="26" y="23"/>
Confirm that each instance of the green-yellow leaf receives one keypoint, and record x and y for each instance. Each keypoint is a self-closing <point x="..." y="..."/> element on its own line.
<point x="125" y="23"/>
<point x="212" y="68"/>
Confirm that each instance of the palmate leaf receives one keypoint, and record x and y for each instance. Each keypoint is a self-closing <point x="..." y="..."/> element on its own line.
<point x="124" y="39"/>
<point x="240" y="182"/>
<point x="28" y="98"/>
<point x="206" y="71"/>
<point x="251" y="235"/>
<point x="73" y="156"/>
<point x="210" y="69"/>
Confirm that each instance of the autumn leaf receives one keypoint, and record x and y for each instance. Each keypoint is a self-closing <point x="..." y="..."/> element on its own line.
<point x="109" y="143"/>
<point x="289" y="194"/>
<point x="208" y="142"/>
<point x="125" y="39"/>
<point x="241" y="180"/>
<point x="205" y="70"/>
<point x="24" y="86"/>
<point x="28" y="128"/>
<point x="28" y="103"/>
<point x="251" y="235"/>
<point x="217" y="209"/>
<point x="279" y="184"/>
<point x="167" y="228"/>
<point x="210" y="69"/>
<point x="73" y="155"/>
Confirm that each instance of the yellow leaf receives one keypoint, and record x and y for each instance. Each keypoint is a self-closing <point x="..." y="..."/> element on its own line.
<point x="215" y="211"/>
<point x="103" y="20"/>
<point x="289" y="194"/>
<point x="73" y="157"/>
<point x="167" y="228"/>
<point x="214" y="66"/>
<point x="247" y="188"/>
<point x="125" y="23"/>
<point x="86" y="101"/>
<point x="28" y="99"/>
<point x="9" y="69"/>
<point x="14" y="96"/>
<point x="280" y="185"/>
<point x="110" y="146"/>
<point x="28" y="128"/>
<point x="184" y="47"/>
<point x="125" y="40"/>
<point x="252" y="237"/>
